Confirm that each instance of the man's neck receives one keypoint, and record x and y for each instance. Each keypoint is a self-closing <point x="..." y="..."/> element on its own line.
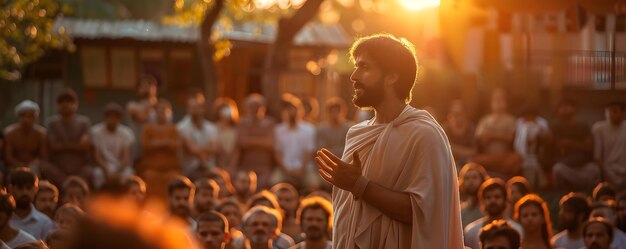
<point x="491" y="218"/>
<point x="616" y="125"/>
<point x="316" y="244"/>
<point x="8" y="233"/>
<point x="67" y="117"/>
<point x="26" y="129"/>
<point x="389" y="110"/>
<point x="197" y="121"/>
<point x="336" y="122"/>
<point x="576" y="234"/>
<point x="22" y="213"/>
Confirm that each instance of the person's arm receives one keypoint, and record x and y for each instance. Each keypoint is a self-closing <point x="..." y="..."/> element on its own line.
<point x="394" y="204"/>
<point x="101" y="162"/>
<point x="9" y="151"/>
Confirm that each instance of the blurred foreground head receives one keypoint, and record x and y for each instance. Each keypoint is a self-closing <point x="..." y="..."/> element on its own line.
<point x="121" y="223"/>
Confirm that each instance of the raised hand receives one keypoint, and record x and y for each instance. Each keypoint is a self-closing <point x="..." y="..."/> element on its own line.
<point x="337" y="172"/>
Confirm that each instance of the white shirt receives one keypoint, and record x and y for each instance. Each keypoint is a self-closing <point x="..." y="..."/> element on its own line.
<point x="609" y="148"/>
<point x="561" y="240"/>
<point x="21" y="238"/>
<point x="36" y="223"/>
<point x="619" y="239"/>
<point x="4" y="246"/>
<point x="473" y="229"/>
<point x="202" y="136"/>
<point x="111" y="145"/>
<point x="294" y="143"/>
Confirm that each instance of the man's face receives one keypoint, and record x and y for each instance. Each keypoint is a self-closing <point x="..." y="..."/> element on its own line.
<point x="232" y="214"/>
<point x="74" y="195"/>
<point x="67" y="107"/>
<point x="596" y="237"/>
<point x="137" y="192"/>
<point x="566" y="110"/>
<point x="607" y="213"/>
<point x="494" y="202"/>
<point x="204" y="200"/>
<point x="614" y="114"/>
<point x="24" y="195"/>
<point x="368" y="81"/>
<point x="514" y="193"/>
<point x="287" y="200"/>
<point x="457" y="112"/>
<point x="260" y="228"/>
<point x="315" y="224"/>
<point x="211" y="234"/>
<point x="46" y="202"/>
<point x="531" y="218"/>
<point x="500" y="242"/>
<point x="498" y="102"/>
<point x="195" y="108"/>
<point x="65" y="220"/>
<point x="27" y="118"/>
<point x="471" y="182"/>
<point x="568" y="218"/>
<point x="242" y="183"/>
<point x="112" y="120"/>
<point x="289" y="114"/>
<point x="180" y="202"/>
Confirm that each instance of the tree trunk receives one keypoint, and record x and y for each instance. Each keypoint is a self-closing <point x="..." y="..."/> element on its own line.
<point x="206" y="51"/>
<point x="277" y="58"/>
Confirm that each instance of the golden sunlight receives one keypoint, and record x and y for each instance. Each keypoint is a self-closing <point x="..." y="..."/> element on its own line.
<point x="415" y="5"/>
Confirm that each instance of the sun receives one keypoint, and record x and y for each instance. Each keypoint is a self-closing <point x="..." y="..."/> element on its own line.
<point x="415" y="5"/>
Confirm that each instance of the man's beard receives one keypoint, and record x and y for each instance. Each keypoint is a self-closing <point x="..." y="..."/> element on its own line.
<point x="181" y="211"/>
<point x="370" y="96"/>
<point x="494" y="209"/>
<point x="594" y="245"/>
<point x="259" y="238"/>
<point x="23" y="202"/>
<point x="569" y="225"/>
<point x="314" y="233"/>
<point x="204" y="207"/>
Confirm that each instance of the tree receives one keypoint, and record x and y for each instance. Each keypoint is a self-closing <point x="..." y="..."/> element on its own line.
<point x="26" y="32"/>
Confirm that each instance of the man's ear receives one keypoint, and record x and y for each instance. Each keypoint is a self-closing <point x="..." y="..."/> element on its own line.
<point x="391" y="79"/>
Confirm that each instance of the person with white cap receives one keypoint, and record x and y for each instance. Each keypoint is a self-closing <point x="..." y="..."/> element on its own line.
<point x="25" y="139"/>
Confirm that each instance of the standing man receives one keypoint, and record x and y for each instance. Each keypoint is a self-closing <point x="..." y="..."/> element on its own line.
<point x="255" y="141"/>
<point x="396" y="185"/>
<point x="68" y="137"/>
<point x="23" y="187"/>
<point x="199" y="138"/>
<point x="610" y="143"/>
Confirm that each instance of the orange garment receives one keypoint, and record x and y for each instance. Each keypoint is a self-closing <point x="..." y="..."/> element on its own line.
<point x="159" y="163"/>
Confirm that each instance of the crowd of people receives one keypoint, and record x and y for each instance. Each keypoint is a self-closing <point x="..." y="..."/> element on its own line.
<point x="250" y="181"/>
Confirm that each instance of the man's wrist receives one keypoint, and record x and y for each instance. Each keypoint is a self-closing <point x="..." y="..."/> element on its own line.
<point x="359" y="187"/>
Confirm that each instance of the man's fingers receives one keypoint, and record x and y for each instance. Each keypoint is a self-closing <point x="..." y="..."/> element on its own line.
<point x="323" y="165"/>
<point x="325" y="176"/>
<point x="326" y="159"/>
<point x="332" y="156"/>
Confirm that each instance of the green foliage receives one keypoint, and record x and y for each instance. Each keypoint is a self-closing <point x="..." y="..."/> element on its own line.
<point x="26" y="32"/>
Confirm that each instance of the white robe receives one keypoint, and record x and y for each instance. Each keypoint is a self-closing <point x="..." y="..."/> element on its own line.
<point x="410" y="154"/>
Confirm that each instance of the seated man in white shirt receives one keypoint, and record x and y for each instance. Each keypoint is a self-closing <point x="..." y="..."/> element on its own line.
<point x="23" y="187"/>
<point x="11" y="236"/>
<point x="315" y="216"/>
<point x="113" y="143"/>
<point x="492" y="196"/>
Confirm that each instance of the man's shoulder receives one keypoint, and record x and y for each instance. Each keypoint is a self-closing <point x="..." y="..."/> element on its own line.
<point x="600" y="125"/>
<point x="475" y="226"/>
<point x="21" y="238"/>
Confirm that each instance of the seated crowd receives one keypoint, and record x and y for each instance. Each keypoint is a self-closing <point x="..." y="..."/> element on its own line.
<point x="249" y="182"/>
